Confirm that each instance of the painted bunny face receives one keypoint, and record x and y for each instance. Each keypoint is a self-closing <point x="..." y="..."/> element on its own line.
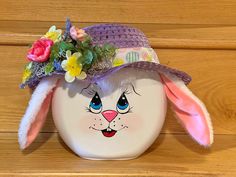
<point x="110" y="117"/>
<point x="119" y="117"/>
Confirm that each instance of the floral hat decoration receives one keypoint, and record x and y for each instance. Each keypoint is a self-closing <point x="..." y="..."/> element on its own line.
<point x="91" y="53"/>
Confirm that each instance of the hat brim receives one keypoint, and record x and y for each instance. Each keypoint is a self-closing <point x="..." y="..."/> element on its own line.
<point x="143" y="65"/>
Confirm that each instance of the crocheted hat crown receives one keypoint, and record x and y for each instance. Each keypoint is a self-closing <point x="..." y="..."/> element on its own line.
<point x="120" y="36"/>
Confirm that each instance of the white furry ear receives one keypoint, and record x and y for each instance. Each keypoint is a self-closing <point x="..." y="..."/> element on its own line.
<point x="36" y="112"/>
<point x="190" y="111"/>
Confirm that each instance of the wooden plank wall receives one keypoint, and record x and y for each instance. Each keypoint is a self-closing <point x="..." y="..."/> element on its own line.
<point x="197" y="36"/>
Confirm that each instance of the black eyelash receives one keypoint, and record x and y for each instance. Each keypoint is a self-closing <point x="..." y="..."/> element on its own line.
<point x="85" y="88"/>
<point x="135" y="90"/>
<point x="87" y="109"/>
<point x="129" y="111"/>
<point x="91" y="92"/>
<point x="127" y="91"/>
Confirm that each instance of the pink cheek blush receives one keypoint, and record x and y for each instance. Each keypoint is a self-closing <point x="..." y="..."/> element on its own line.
<point x="133" y="121"/>
<point x="85" y="122"/>
<point x="91" y="120"/>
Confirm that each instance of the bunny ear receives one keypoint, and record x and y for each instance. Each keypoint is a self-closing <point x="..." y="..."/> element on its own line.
<point x="189" y="109"/>
<point x="36" y="112"/>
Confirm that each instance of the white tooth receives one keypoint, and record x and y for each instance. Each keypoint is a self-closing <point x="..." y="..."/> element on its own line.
<point x="108" y="129"/>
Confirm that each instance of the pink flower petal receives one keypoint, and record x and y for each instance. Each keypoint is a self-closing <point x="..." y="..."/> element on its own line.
<point x="40" y="50"/>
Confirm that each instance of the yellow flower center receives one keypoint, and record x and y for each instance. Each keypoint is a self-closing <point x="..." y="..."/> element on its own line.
<point x="73" y="67"/>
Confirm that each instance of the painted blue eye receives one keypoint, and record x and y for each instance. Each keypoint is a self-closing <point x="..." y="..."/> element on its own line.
<point x="122" y="107"/>
<point x="95" y="105"/>
<point x="122" y="104"/>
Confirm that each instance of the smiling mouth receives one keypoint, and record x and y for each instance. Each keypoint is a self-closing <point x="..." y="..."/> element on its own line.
<point x="108" y="132"/>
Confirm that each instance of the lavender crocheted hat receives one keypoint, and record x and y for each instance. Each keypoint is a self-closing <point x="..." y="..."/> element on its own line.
<point x="92" y="53"/>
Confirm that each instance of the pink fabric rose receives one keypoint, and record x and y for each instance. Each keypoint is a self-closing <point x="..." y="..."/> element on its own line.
<point x="77" y="34"/>
<point x="40" y="50"/>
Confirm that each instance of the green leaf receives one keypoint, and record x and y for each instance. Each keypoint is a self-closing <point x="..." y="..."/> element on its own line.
<point x="29" y="65"/>
<point x="49" y="68"/>
<point x="88" y="56"/>
<point x="86" y="67"/>
<point x="108" y="51"/>
<point x="66" y="46"/>
<point x="86" y="43"/>
<point x="81" y="60"/>
<point x="54" y="51"/>
<point x="98" y="51"/>
<point x="106" y="47"/>
<point x="95" y="56"/>
<point x="58" y="50"/>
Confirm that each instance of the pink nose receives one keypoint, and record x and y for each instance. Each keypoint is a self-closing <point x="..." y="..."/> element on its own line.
<point x="109" y="115"/>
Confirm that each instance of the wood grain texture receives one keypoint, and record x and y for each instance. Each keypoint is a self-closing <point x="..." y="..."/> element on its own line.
<point x="50" y="156"/>
<point x="160" y="35"/>
<point x="213" y="82"/>
<point x="196" y="36"/>
<point x="133" y="11"/>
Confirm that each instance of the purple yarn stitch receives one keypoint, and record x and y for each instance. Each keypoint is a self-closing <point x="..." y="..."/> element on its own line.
<point x="120" y="36"/>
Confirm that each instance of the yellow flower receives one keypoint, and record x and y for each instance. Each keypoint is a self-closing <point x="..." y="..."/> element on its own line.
<point x="118" y="62"/>
<point x="26" y="74"/>
<point x="73" y="67"/>
<point x="53" y="34"/>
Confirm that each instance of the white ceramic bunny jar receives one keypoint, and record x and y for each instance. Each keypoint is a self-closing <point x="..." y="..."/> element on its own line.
<point x="114" y="107"/>
<point x="117" y="118"/>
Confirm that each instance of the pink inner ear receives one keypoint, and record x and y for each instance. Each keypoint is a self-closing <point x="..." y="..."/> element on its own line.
<point x="189" y="112"/>
<point x="39" y="120"/>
